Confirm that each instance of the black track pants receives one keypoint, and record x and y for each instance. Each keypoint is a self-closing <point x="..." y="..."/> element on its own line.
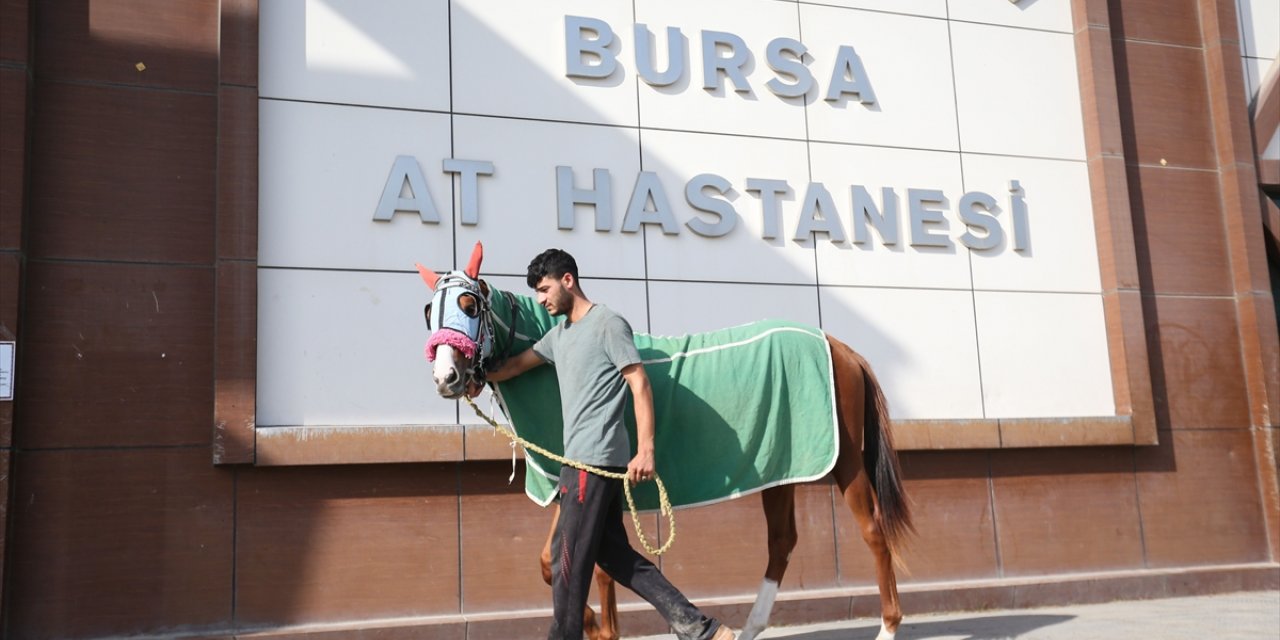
<point x="590" y="532"/>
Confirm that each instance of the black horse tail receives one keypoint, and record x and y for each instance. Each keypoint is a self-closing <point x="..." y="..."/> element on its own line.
<point x="880" y="459"/>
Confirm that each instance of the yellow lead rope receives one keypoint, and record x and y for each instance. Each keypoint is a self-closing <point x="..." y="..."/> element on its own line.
<point x="664" y="507"/>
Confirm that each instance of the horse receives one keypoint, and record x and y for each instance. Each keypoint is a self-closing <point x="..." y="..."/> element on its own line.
<point x="470" y="334"/>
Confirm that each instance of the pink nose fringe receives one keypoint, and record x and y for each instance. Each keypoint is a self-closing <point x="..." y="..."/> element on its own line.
<point x="463" y="344"/>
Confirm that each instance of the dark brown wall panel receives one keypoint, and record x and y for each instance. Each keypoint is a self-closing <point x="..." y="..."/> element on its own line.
<point x="238" y="173"/>
<point x="1165" y="21"/>
<point x="320" y="544"/>
<point x="502" y="536"/>
<point x="116" y="355"/>
<point x="104" y="40"/>
<point x="1179" y="231"/>
<point x="119" y="542"/>
<point x="951" y="507"/>
<point x="1163" y="106"/>
<point x="14" y="25"/>
<point x="1066" y="510"/>
<point x="1198" y="363"/>
<point x="13" y="154"/>
<point x="722" y="549"/>
<point x="122" y="174"/>
<point x="1200" y="502"/>
<point x="10" y="276"/>
<point x="239" y="61"/>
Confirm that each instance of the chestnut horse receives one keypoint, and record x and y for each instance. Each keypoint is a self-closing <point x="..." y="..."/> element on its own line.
<point x="866" y="469"/>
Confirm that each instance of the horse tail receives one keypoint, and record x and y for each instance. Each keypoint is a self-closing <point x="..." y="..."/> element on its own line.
<point x="881" y="462"/>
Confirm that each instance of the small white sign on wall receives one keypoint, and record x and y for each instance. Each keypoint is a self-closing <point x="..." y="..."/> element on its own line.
<point x="8" y="351"/>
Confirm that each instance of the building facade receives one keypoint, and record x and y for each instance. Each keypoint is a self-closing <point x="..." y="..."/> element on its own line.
<point x="1050" y="225"/>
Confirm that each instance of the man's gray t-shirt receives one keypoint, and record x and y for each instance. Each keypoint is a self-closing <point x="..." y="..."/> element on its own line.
<point x="589" y="355"/>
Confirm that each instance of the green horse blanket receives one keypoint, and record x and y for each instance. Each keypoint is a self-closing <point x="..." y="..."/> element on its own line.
<point x="737" y="410"/>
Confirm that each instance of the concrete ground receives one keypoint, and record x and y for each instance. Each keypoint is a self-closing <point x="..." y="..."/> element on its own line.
<point x="1236" y="616"/>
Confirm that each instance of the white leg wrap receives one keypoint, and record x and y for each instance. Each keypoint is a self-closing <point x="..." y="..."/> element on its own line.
<point x="885" y="634"/>
<point x="758" y="620"/>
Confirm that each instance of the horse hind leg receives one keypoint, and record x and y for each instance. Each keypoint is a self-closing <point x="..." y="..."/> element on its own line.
<point x="780" y="516"/>
<point x="858" y="495"/>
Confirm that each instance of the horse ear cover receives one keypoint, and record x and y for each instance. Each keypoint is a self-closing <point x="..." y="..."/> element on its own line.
<point x="428" y="276"/>
<point x="473" y="267"/>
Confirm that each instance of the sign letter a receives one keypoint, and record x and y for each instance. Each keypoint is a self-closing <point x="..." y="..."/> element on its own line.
<point x="405" y="169"/>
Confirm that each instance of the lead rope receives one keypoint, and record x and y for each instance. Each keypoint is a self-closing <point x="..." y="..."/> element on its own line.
<point x="664" y="506"/>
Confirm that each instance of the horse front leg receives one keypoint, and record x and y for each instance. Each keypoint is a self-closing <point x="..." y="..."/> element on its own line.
<point x="607" y="627"/>
<point x="780" y="516"/>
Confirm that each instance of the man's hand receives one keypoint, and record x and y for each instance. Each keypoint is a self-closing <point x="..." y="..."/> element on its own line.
<point x="641" y="468"/>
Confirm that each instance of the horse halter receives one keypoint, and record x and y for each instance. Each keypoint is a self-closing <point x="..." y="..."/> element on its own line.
<point x="445" y="313"/>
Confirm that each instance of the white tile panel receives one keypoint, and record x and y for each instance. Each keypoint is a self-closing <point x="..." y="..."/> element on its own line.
<point x="344" y="348"/>
<point x="1260" y="28"/>
<point x="908" y="64"/>
<point x="680" y="308"/>
<point x="743" y="254"/>
<point x="391" y="53"/>
<point x="322" y="170"/>
<point x="509" y="59"/>
<point x="1044" y="355"/>
<point x="1017" y="91"/>
<point x="1063" y="252"/>
<point x="1051" y="15"/>
<point x="874" y="263"/>
<point x="685" y="104"/>
<point x="919" y="342"/>
<point x="932" y="8"/>
<point x="517" y="204"/>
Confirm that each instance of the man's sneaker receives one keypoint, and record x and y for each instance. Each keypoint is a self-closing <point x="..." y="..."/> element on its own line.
<point x="723" y="633"/>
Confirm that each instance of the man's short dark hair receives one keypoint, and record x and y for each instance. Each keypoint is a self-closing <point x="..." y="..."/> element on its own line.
<point x="554" y="263"/>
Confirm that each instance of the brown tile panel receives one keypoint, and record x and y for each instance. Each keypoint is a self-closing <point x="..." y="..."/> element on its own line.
<point x="116" y="355"/>
<point x="1064" y="432"/>
<point x="13" y="154"/>
<point x="1090" y="13"/>
<point x="1266" y="448"/>
<point x="1095" y="60"/>
<point x="14" y="30"/>
<point x="1113" y="220"/>
<point x="914" y="435"/>
<point x="503" y="533"/>
<point x="238" y="173"/>
<point x="104" y="40"/>
<point x="310" y="445"/>
<point x="235" y="363"/>
<point x="951" y="508"/>
<point x="1200" y="502"/>
<point x="6" y="466"/>
<point x="1179" y="231"/>
<point x="1259" y="341"/>
<point x="1162" y="119"/>
<point x="119" y="542"/>
<point x="1198" y="363"/>
<point x="722" y="549"/>
<point x="239" y="60"/>
<point x="1066" y="510"/>
<point x="1130" y="364"/>
<point x="122" y="174"/>
<point x="326" y="544"/>
<point x="1167" y="21"/>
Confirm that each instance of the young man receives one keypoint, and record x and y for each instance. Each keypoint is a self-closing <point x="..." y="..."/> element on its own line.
<point x="596" y="362"/>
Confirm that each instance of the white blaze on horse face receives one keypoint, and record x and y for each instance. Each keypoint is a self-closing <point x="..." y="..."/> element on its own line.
<point x="445" y="372"/>
<point x="758" y="619"/>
